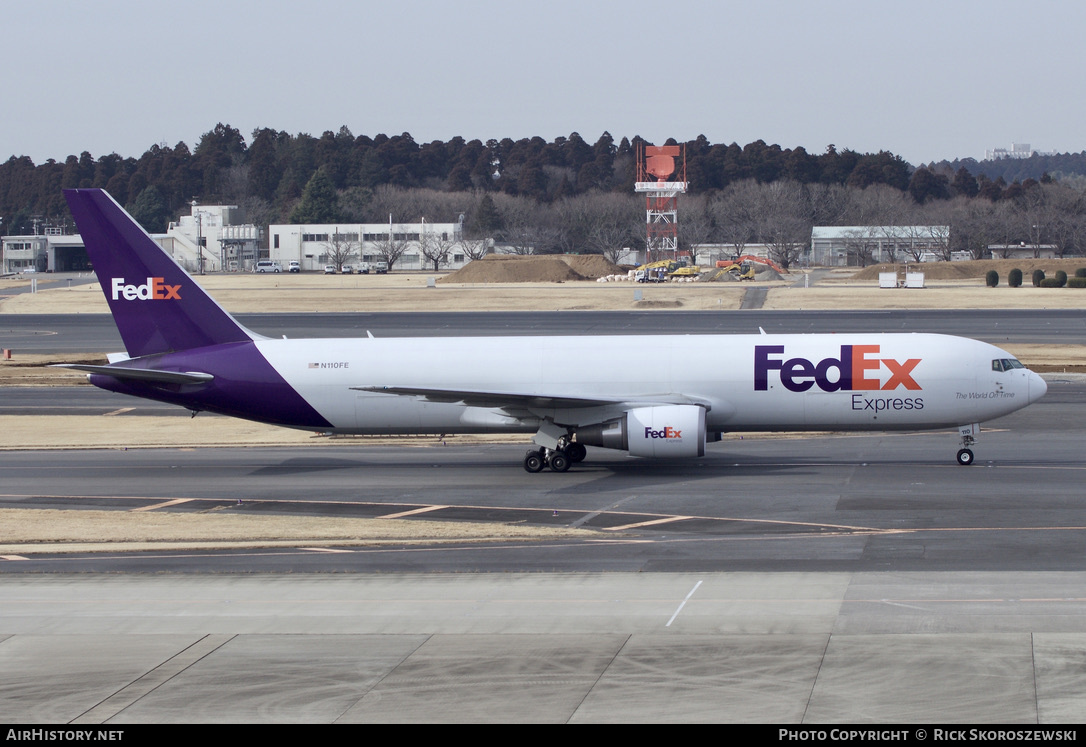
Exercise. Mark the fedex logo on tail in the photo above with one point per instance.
(155, 289)
(858, 369)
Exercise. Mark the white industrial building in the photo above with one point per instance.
(1022, 251)
(52, 250)
(314, 246)
(212, 239)
(850, 246)
(207, 240)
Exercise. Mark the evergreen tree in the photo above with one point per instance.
(487, 218)
(964, 183)
(149, 210)
(925, 186)
(318, 203)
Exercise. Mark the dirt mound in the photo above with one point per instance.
(978, 268)
(501, 268)
(762, 274)
(592, 266)
(547, 268)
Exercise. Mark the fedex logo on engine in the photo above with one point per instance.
(666, 432)
(858, 369)
(155, 289)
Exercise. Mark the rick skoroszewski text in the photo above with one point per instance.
(927, 734)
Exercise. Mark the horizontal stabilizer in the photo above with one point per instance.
(141, 374)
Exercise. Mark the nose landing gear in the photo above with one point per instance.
(968, 435)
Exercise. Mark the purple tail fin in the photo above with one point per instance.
(157, 306)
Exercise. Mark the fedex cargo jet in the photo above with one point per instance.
(651, 396)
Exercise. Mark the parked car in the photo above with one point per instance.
(380, 267)
(363, 268)
(329, 269)
(268, 265)
(348, 270)
(294, 266)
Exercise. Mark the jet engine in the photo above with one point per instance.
(656, 431)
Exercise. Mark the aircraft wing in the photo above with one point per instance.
(141, 374)
(517, 400)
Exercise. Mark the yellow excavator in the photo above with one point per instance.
(657, 272)
(664, 269)
(742, 271)
(686, 271)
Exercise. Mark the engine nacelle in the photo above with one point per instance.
(657, 431)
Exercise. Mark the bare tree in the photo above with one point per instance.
(915, 239)
(786, 223)
(935, 215)
(528, 229)
(476, 248)
(340, 249)
(1068, 226)
(883, 209)
(571, 221)
(615, 222)
(971, 226)
(862, 242)
(1034, 214)
(696, 225)
(735, 214)
(393, 247)
(436, 248)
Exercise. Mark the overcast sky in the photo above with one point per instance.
(924, 79)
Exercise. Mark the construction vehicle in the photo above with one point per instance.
(686, 271)
(751, 259)
(742, 271)
(659, 271)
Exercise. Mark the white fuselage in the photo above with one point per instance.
(746, 382)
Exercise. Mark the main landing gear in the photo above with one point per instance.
(558, 459)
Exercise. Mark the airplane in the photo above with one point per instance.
(653, 396)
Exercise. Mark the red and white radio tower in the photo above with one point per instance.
(661, 197)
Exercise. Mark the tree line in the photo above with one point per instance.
(274, 168)
(564, 195)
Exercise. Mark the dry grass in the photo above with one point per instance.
(49, 530)
(841, 289)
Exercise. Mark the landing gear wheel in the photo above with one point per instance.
(965, 457)
(576, 452)
(559, 462)
(533, 461)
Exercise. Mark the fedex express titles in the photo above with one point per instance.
(856, 370)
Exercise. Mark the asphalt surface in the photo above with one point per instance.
(59, 333)
(843, 502)
(823, 580)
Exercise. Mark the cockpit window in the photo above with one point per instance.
(1006, 364)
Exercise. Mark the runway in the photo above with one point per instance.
(825, 579)
(60, 333)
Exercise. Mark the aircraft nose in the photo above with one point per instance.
(1037, 387)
